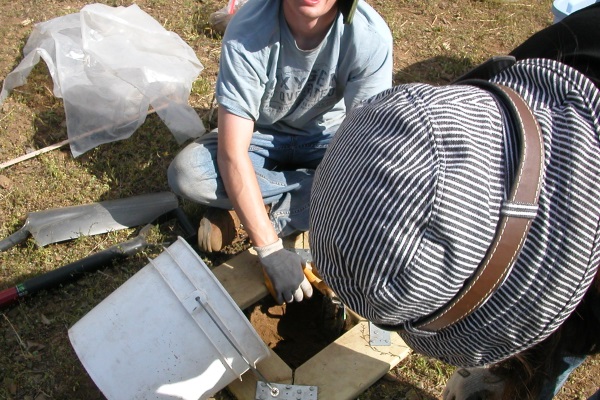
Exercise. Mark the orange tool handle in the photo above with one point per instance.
(310, 276)
(318, 283)
(269, 285)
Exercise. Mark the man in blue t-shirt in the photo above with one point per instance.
(289, 72)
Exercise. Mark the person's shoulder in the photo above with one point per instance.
(367, 22)
(256, 20)
(368, 36)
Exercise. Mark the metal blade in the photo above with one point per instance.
(59, 224)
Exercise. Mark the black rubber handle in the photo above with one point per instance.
(75, 269)
(88, 264)
(14, 239)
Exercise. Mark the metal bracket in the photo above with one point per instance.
(378, 336)
(285, 392)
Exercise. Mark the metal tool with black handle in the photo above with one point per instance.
(91, 263)
(65, 223)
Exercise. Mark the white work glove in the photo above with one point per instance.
(284, 270)
(473, 384)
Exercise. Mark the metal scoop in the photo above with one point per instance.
(59, 224)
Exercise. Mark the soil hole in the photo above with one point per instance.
(298, 331)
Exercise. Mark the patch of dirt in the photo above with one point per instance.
(296, 331)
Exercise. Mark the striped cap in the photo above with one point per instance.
(406, 202)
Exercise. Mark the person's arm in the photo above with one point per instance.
(282, 267)
(239, 177)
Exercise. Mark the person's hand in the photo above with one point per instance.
(284, 269)
(473, 384)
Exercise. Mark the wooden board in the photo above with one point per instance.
(343, 370)
(348, 366)
(296, 242)
(242, 278)
(274, 369)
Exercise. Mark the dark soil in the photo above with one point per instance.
(295, 331)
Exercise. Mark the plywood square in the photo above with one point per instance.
(343, 370)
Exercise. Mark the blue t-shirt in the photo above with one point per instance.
(264, 76)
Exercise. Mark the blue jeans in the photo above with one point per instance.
(567, 365)
(284, 166)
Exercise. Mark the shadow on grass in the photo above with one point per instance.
(440, 70)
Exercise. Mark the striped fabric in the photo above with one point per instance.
(407, 199)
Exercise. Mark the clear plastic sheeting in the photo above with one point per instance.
(110, 65)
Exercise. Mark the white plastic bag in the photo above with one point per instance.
(220, 18)
(109, 65)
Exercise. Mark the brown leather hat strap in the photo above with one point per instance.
(513, 226)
